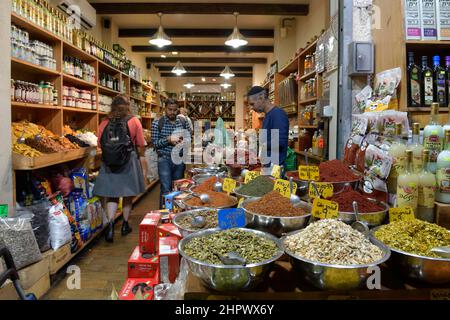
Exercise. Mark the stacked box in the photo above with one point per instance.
(443, 19)
(148, 233)
(142, 265)
(413, 20)
(169, 259)
(131, 287)
(429, 20)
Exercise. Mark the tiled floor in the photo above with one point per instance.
(104, 264)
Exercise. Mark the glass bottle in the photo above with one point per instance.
(416, 148)
(320, 144)
(440, 93)
(414, 78)
(41, 92)
(443, 173)
(397, 152)
(314, 143)
(427, 83)
(447, 126)
(433, 137)
(427, 191)
(408, 185)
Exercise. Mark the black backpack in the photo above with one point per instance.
(116, 143)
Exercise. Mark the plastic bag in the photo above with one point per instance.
(175, 291)
(60, 232)
(17, 235)
(38, 213)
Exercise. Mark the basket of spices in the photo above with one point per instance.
(331, 255)
(218, 200)
(275, 214)
(184, 221)
(257, 188)
(205, 251)
(411, 243)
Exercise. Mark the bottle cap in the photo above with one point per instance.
(416, 128)
(435, 108)
(398, 129)
(409, 155)
(425, 156)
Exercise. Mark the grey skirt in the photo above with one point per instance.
(126, 182)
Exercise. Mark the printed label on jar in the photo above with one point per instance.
(434, 144)
(426, 196)
(443, 178)
(407, 196)
(398, 167)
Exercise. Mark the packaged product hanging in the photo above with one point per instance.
(385, 91)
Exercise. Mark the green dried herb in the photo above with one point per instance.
(210, 218)
(253, 248)
(258, 187)
(416, 237)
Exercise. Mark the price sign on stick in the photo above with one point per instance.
(249, 176)
(309, 173)
(401, 214)
(325, 190)
(276, 171)
(231, 218)
(241, 201)
(229, 185)
(324, 209)
(282, 186)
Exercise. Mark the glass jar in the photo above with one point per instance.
(304, 140)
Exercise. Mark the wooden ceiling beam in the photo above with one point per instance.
(196, 33)
(271, 9)
(193, 48)
(207, 60)
(203, 75)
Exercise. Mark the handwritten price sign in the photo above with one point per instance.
(276, 171)
(309, 173)
(282, 186)
(249, 176)
(229, 185)
(325, 190)
(324, 209)
(401, 214)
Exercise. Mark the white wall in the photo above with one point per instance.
(259, 74)
(285, 45)
(313, 23)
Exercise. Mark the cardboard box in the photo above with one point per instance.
(169, 200)
(169, 264)
(168, 230)
(142, 265)
(443, 19)
(429, 19)
(413, 20)
(131, 287)
(148, 233)
(41, 287)
(33, 273)
(57, 259)
(8, 292)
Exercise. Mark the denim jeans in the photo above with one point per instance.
(168, 172)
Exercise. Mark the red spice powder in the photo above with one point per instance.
(336, 171)
(207, 185)
(346, 198)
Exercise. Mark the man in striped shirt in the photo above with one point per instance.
(168, 132)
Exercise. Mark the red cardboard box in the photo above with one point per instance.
(132, 285)
(148, 233)
(169, 260)
(168, 230)
(142, 265)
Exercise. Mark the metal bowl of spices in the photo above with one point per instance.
(426, 269)
(226, 201)
(334, 276)
(373, 219)
(200, 178)
(209, 170)
(184, 220)
(200, 249)
(256, 188)
(276, 225)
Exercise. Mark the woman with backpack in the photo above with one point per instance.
(121, 175)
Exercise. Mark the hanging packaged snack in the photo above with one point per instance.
(389, 119)
(362, 98)
(385, 92)
(81, 181)
(359, 128)
(360, 160)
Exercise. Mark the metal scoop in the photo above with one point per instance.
(232, 259)
(359, 225)
(21, 140)
(294, 198)
(38, 137)
(218, 185)
(198, 222)
(444, 252)
(204, 198)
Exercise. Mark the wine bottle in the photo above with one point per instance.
(440, 93)
(427, 83)
(414, 79)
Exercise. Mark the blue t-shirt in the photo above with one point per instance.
(277, 119)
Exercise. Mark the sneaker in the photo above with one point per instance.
(126, 229)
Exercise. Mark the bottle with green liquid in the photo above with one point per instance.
(433, 137)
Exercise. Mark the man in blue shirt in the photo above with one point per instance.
(275, 119)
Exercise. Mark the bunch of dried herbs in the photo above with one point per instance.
(253, 248)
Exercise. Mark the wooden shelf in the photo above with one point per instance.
(71, 50)
(308, 49)
(140, 100)
(79, 110)
(102, 113)
(36, 32)
(309, 155)
(308, 76)
(78, 82)
(428, 42)
(292, 67)
(21, 162)
(104, 67)
(107, 91)
(308, 126)
(426, 109)
(32, 105)
(26, 67)
(308, 101)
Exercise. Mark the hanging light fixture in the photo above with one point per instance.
(227, 73)
(160, 38)
(225, 85)
(178, 69)
(236, 39)
(189, 85)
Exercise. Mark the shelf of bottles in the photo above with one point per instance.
(212, 105)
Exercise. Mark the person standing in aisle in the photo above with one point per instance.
(275, 119)
(168, 132)
(184, 115)
(123, 166)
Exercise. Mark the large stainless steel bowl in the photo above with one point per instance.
(190, 207)
(230, 278)
(200, 178)
(335, 277)
(425, 269)
(277, 226)
(213, 169)
(187, 231)
(373, 219)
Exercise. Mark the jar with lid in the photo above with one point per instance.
(305, 140)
